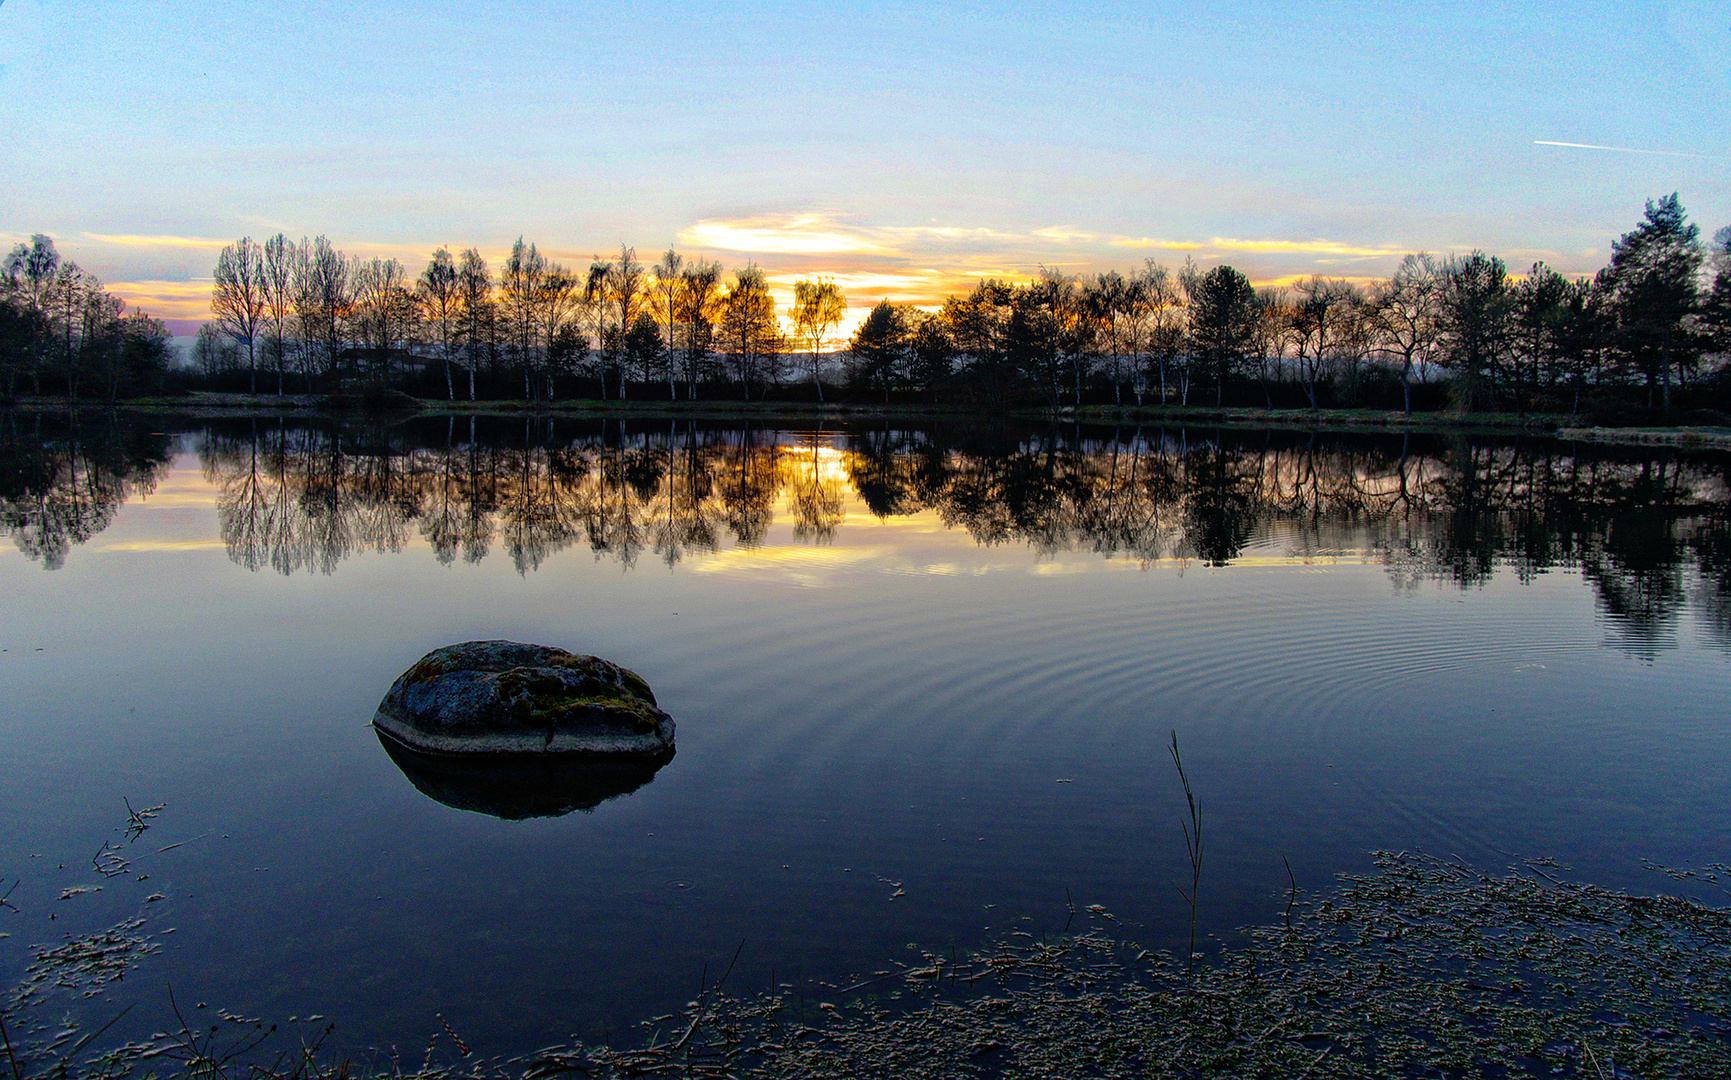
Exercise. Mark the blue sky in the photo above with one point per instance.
(904, 148)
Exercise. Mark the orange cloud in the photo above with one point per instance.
(165, 299)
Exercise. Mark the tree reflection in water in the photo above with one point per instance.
(64, 476)
(1649, 529)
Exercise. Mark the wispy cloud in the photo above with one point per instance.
(809, 234)
(1297, 247)
(1629, 150)
(127, 240)
(1059, 235)
(1155, 243)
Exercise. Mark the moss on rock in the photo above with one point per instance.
(510, 697)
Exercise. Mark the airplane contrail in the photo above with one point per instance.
(1626, 149)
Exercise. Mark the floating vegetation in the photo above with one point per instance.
(139, 820)
(84, 966)
(1426, 967)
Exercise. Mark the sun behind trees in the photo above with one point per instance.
(1651, 329)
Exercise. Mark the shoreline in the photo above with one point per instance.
(1546, 425)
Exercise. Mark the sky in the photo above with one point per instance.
(905, 149)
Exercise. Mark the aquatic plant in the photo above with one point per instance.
(1425, 967)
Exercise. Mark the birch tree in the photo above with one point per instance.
(818, 306)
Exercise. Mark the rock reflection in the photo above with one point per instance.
(519, 786)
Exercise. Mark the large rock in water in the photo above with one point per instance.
(505, 698)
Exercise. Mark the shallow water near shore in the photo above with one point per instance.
(924, 682)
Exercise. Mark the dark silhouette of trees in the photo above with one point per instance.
(58, 321)
(1460, 329)
(24, 326)
(1267, 338)
(557, 299)
(1716, 307)
(1476, 308)
(624, 288)
(978, 324)
(384, 315)
(1651, 287)
(1223, 314)
(879, 350)
(521, 281)
(644, 349)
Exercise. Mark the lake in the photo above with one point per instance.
(925, 680)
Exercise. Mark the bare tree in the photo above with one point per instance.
(1319, 315)
(1267, 340)
(475, 312)
(277, 278)
(558, 295)
(818, 306)
(669, 281)
(1404, 312)
(595, 298)
(700, 304)
(625, 289)
(751, 329)
(520, 282)
(1165, 321)
(441, 303)
(384, 312)
(238, 299)
(324, 304)
(212, 352)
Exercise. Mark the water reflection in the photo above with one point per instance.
(515, 787)
(63, 477)
(1648, 528)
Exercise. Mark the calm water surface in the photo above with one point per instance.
(924, 681)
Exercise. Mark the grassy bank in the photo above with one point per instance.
(207, 403)
(801, 413)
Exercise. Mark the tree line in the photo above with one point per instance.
(1653, 325)
(308, 314)
(59, 327)
(1461, 331)
(1649, 330)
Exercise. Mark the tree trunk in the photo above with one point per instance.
(1665, 366)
